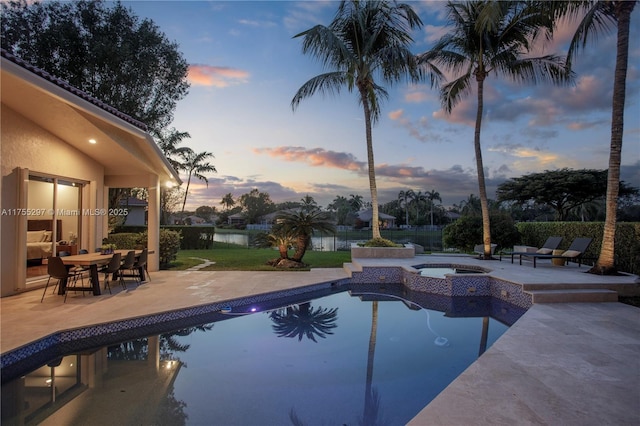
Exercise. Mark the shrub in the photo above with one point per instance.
(123, 240)
(380, 242)
(466, 232)
(169, 246)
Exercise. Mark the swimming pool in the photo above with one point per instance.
(371, 353)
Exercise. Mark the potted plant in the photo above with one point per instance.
(108, 248)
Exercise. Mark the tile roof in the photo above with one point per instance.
(73, 90)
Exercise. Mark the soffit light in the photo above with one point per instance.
(93, 141)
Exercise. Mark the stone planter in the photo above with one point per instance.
(408, 251)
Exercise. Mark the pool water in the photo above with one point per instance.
(346, 358)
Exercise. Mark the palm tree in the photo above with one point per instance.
(493, 37)
(168, 141)
(303, 321)
(418, 198)
(195, 165)
(304, 224)
(403, 196)
(308, 203)
(367, 41)
(355, 202)
(598, 16)
(228, 201)
(281, 236)
(432, 196)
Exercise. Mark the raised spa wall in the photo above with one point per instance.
(452, 285)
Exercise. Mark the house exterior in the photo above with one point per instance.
(60, 152)
(136, 210)
(386, 221)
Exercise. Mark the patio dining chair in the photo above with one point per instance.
(111, 268)
(127, 265)
(139, 268)
(56, 270)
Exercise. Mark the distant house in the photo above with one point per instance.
(452, 216)
(236, 219)
(137, 211)
(386, 221)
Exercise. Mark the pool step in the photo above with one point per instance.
(567, 296)
(350, 268)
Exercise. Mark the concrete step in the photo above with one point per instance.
(568, 296)
(350, 268)
(568, 286)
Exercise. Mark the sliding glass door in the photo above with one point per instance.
(54, 225)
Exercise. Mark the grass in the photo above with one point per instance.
(231, 257)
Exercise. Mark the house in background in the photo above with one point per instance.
(365, 216)
(136, 211)
(61, 150)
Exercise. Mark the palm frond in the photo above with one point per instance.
(331, 83)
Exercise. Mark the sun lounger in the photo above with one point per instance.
(575, 252)
(548, 247)
(479, 249)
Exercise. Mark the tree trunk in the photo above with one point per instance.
(606, 260)
(484, 202)
(186, 192)
(375, 225)
(368, 395)
(301, 247)
(284, 251)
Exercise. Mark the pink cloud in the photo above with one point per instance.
(208, 75)
(316, 157)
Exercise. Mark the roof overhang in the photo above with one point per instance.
(121, 147)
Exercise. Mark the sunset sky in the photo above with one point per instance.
(245, 67)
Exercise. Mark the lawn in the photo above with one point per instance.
(231, 257)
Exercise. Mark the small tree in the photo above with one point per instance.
(303, 225)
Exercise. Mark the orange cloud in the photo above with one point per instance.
(207, 75)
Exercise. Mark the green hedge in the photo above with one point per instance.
(627, 245)
(127, 240)
(466, 232)
(193, 237)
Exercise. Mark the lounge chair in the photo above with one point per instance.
(548, 247)
(479, 249)
(575, 252)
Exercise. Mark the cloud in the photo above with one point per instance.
(212, 76)
(257, 24)
(316, 157)
(305, 14)
(417, 129)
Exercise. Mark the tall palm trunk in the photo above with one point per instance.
(484, 202)
(375, 225)
(186, 192)
(606, 260)
(368, 396)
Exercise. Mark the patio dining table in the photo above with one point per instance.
(93, 260)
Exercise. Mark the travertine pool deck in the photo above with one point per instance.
(561, 363)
